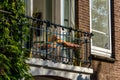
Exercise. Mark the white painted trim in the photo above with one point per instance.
(97, 50)
(101, 52)
(31, 7)
(101, 49)
(110, 29)
(90, 6)
(63, 67)
(99, 32)
(62, 11)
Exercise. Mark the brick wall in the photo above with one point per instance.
(103, 70)
(82, 15)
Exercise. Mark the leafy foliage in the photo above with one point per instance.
(13, 29)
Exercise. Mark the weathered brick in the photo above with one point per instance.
(102, 70)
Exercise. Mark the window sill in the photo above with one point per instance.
(103, 58)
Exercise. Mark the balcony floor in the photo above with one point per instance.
(47, 67)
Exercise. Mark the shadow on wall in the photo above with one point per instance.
(80, 77)
(97, 69)
(49, 77)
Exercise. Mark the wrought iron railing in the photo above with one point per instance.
(57, 43)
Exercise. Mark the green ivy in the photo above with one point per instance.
(13, 27)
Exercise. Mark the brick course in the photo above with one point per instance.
(102, 70)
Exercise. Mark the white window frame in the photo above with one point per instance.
(97, 50)
(29, 7)
(71, 13)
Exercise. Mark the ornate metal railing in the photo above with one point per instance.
(57, 43)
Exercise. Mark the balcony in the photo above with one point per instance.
(57, 43)
(56, 50)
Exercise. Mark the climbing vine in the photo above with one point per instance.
(13, 32)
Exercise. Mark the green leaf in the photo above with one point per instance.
(12, 57)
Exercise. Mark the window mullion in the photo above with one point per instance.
(99, 32)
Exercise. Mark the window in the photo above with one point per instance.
(56, 11)
(68, 20)
(68, 12)
(100, 22)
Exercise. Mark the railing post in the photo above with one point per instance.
(47, 25)
(90, 56)
(85, 46)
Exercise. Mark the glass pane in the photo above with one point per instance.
(101, 40)
(100, 15)
(49, 10)
(66, 12)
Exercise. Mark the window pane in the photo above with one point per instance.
(49, 10)
(101, 40)
(100, 23)
(66, 12)
(100, 15)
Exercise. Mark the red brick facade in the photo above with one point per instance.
(103, 70)
(82, 14)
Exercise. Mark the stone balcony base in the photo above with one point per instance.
(46, 67)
